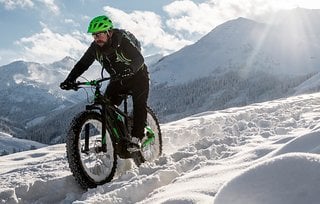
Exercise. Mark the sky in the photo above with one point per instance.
(262, 153)
(47, 31)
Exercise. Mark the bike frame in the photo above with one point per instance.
(110, 114)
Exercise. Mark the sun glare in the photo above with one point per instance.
(309, 4)
(292, 34)
(290, 4)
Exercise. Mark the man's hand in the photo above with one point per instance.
(67, 85)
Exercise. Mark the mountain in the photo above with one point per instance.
(152, 59)
(9, 144)
(31, 90)
(238, 63)
(246, 46)
(262, 153)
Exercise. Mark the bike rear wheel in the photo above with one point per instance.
(90, 164)
(151, 145)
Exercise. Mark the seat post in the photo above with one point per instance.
(125, 109)
(125, 104)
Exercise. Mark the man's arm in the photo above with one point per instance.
(82, 65)
(130, 55)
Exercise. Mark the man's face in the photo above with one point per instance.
(100, 38)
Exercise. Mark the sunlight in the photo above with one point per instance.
(285, 4)
(310, 4)
(292, 33)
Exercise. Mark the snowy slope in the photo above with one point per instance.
(262, 153)
(238, 63)
(285, 46)
(9, 144)
(310, 85)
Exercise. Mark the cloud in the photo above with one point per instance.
(200, 18)
(148, 28)
(51, 5)
(48, 46)
(191, 17)
(72, 22)
(8, 55)
(14, 4)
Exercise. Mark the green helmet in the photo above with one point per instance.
(99, 24)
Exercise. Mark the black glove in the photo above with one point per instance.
(67, 85)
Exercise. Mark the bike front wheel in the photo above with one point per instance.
(90, 162)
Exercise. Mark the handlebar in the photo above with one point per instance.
(97, 82)
(91, 83)
(76, 85)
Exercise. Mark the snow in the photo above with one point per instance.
(309, 85)
(261, 153)
(11, 144)
(292, 178)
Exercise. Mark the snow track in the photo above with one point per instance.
(201, 154)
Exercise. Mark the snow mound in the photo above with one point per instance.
(291, 178)
(305, 143)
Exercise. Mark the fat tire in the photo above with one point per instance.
(73, 153)
(138, 157)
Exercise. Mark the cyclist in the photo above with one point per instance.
(117, 52)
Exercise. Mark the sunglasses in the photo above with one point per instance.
(98, 34)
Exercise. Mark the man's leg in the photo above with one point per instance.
(140, 97)
(112, 92)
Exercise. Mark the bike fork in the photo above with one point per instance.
(86, 137)
(104, 129)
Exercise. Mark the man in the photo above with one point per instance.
(119, 54)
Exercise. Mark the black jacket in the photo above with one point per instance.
(117, 55)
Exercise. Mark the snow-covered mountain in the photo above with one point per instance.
(29, 90)
(9, 144)
(263, 153)
(286, 47)
(238, 63)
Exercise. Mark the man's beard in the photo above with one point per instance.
(100, 43)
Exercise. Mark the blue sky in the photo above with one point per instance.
(48, 30)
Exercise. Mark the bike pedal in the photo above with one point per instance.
(132, 147)
(133, 150)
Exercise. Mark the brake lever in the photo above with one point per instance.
(75, 86)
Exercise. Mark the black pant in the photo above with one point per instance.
(138, 85)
